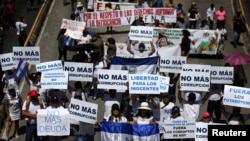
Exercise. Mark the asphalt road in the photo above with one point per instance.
(48, 44)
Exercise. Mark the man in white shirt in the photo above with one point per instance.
(20, 30)
(141, 53)
(210, 15)
(191, 109)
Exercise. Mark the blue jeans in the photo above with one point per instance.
(31, 132)
(236, 37)
(84, 138)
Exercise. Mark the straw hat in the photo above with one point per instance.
(144, 105)
(79, 4)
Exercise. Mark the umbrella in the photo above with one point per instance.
(83, 47)
(237, 59)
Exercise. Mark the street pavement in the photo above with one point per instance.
(48, 43)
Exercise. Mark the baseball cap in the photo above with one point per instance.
(33, 93)
(175, 109)
(205, 115)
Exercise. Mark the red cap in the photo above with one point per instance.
(205, 115)
(33, 93)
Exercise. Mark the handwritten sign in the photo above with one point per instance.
(53, 122)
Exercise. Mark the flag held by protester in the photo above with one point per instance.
(21, 69)
(111, 131)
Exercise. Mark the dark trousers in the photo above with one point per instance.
(31, 132)
(214, 107)
(62, 52)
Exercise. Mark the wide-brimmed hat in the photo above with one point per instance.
(144, 105)
(79, 4)
(162, 33)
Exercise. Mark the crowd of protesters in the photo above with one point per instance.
(120, 106)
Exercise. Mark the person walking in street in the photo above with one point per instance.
(220, 16)
(238, 28)
(21, 31)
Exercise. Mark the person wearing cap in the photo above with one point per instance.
(141, 52)
(165, 107)
(29, 111)
(206, 118)
(175, 113)
(79, 12)
(12, 104)
(162, 40)
(144, 115)
(116, 115)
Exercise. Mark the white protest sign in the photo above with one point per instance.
(53, 122)
(73, 25)
(236, 96)
(28, 54)
(141, 33)
(49, 66)
(179, 129)
(164, 84)
(172, 64)
(79, 71)
(54, 80)
(195, 77)
(100, 5)
(127, 17)
(144, 84)
(222, 75)
(7, 62)
(115, 79)
(173, 50)
(83, 111)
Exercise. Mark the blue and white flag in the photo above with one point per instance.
(135, 65)
(111, 131)
(21, 69)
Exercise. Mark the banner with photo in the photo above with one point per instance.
(127, 17)
(100, 5)
(202, 41)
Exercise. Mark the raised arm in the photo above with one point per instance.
(152, 48)
(129, 47)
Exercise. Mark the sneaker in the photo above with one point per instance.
(16, 136)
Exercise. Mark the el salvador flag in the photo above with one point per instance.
(21, 69)
(112, 131)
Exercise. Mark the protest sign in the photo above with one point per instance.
(83, 111)
(236, 96)
(172, 64)
(79, 71)
(74, 28)
(50, 66)
(173, 50)
(179, 129)
(116, 79)
(126, 17)
(54, 80)
(100, 5)
(121, 50)
(141, 33)
(164, 84)
(202, 41)
(222, 75)
(28, 54)
(53, 122)
(7, 62)
(195, 77)
(144, 84)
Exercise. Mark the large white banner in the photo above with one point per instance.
(100, 5)
(28, 54)
(50, 66)
(195, 77)
(141, 33)
(222, 75)
(172, 64)
(202, 41)
(126, 17)
(115, 79)
(179, 129)
(79, 71)
(236, 96)
(173, 50)
(144, 84)
(7, 62)
(54, 80)
(83, 111)
(53, 122)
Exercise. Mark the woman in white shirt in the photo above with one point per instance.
(144, 115)
(116, 115)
